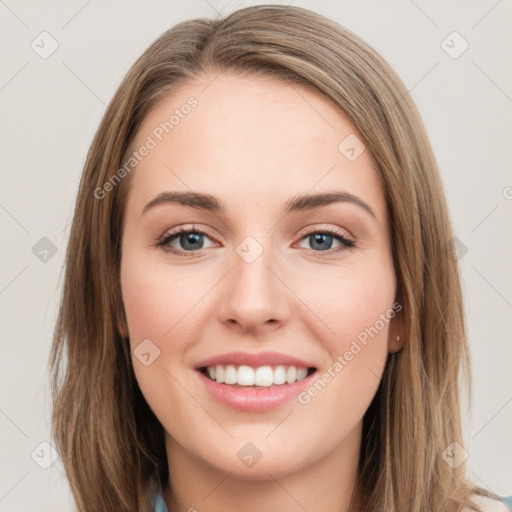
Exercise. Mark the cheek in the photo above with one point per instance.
(348, 305)
(163, 305)
(361, 308)
(159, 304)
(355, 314)
(158, 300)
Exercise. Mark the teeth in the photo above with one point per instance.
(219, 373)
(263, 376)
(280, 375)
(230, 375)
(291, 375)
(245, 376)
(302, 373)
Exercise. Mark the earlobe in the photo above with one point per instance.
(122, 329)
(396, 338)
(395, 343)
(120, 321)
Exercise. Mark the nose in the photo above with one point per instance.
(254, 297)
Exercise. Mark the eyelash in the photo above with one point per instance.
(163, 243)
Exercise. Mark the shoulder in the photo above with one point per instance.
(489, 505)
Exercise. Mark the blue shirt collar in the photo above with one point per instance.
(160, 505)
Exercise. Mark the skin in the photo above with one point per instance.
(254, 142)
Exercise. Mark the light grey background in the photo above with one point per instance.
(50, 109)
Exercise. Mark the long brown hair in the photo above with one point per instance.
(111, 443)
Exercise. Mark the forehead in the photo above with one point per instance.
(250, 138)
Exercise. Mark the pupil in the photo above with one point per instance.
(191, 238)
(319, 237)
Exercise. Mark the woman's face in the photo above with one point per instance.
(264, 272)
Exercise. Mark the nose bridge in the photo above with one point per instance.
(254, 295)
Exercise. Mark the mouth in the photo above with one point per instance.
(261, 377)
(254, 382)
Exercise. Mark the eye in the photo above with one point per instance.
(321, 240)
(191, 240)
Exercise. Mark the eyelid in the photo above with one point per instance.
(185, 228)
(327, 229)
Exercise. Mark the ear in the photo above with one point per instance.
(122, 329)
(122, 326)
(119, 319)
(396, 334)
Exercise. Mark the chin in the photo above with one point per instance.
(256, 458)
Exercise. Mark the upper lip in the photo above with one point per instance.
(254, 360)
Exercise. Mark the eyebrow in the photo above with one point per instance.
(296, 203)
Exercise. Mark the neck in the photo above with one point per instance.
(325, 486)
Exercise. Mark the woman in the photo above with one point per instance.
(258, 369)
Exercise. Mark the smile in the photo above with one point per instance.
(260, 377)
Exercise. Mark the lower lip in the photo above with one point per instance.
(252, 399)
